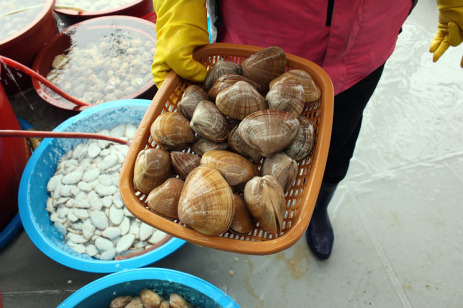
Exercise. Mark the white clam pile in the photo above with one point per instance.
(92, 5)
(85, 205)
(111, 65)
(15, 15)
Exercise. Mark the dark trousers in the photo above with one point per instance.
(347, 120)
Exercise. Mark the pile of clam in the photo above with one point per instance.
(103, 67)
(85, 204)
(148, 298)
(246, 133)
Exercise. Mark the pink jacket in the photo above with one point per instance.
(361, 37)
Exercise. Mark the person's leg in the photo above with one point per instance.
(347, 120)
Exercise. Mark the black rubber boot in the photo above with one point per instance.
(319, 234)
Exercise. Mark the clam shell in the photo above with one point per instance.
(266, 202)
(236, 169)
(163, 199)
(238, 145)
(206, 202)
(208, 122)
(150, 299)
(228, 80)
(218, 69)
(312, 92)
(311, 89)
(282, 167)
(171, 130)
(242, 222)
(177, 301)
(120, 301)
(304, 141)
(184, 162)
(268, 131)
(240, 100)
(191, 97)
(152, 168)
(164, 304)
(135, 303)
(202, 145)
(264, 66)
(287, 95)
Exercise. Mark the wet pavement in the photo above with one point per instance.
(398, 216)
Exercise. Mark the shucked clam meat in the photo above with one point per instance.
(104, 66)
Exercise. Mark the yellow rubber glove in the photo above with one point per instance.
(181, 26)
(449, 28)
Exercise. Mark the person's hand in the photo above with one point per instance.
(181, 26)
(449, 28)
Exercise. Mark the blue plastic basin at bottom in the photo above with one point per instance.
(100, 292)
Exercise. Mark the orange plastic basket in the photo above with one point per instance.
(300, 198)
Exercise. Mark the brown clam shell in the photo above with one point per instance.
(163, 199)
(238, 145)
(311, 89)
(242, 222)
(304, 141)
(120, 301)
(228, 80)
(135, 303)
(282, 167)
(266, 202)
(287, 95)
(171, 130)
(206, 203)
(312, 92)
(240, 100)
(152, 168)
(208, 122)
(164, 304)
(184, 162)
(191, 97)
(219, 69)
(264, 66)
(150, 299)
(268, 131)
(202, 145)
(236, 169)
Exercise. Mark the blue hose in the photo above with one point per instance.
(10, 231)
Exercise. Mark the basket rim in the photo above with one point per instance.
(310, 191)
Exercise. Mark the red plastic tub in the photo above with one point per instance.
(90, 33)
(14, 154)
(23, 45)
(136, 8)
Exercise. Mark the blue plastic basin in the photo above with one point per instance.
(42, 165)
(197, 291)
